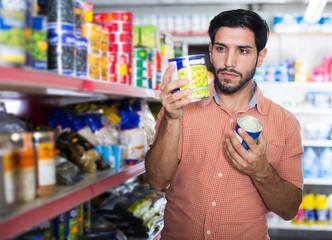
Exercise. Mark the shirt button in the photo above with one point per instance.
(208, 232)
(220, 175)
(231, 120)
(213, 203)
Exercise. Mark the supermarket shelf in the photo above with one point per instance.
(27, 215)
(38, 82)
(288, 226)
(317, 143)
(318, 181)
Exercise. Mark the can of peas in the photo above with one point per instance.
(251, 125)
(193, 68)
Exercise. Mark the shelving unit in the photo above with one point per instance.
(20, 82)
(65, 197)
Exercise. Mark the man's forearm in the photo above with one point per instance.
(162, 159)
(280, 196)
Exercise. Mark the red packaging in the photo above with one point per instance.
(118, 26)
(113, 16)
(120, 47)
(120, 37)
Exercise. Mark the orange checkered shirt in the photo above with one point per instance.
(208, 198)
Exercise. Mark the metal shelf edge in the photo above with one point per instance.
(47, 208)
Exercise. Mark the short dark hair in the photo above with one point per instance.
(241, 18)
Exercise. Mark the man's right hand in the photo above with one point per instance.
(174, 102)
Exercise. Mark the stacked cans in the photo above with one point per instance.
(140, 67)
(60, 36)
(92, 32)
(120, 38)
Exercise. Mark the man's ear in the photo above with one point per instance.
(210, 52)
(261, 57)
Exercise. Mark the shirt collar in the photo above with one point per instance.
(257, 99)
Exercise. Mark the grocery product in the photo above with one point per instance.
(119, 27)
(23, 158)
(45, 162)
(325, 160)
(78, 17)
(6, 175)
(309, 208)
(193, 68)
(322, 209)
(299, 218)
(140, 67)
(310, 162)
(39, 43)
(251, 125)
(12, 27)
(81, 64)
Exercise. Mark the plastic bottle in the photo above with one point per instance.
(322, 209)
(310, 163)
(326, 163)
(299, 218)
(309, 208)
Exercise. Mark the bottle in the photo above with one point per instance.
(299, 218)
(310, 163)
(309, 208)
(326, 163)
(322, 209)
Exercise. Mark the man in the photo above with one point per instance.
(217, 188)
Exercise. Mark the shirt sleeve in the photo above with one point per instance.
(290, 166)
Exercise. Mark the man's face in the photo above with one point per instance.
(234, 58)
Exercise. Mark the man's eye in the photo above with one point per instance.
(243, 51)
(220, 48)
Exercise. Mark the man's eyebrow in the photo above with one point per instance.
(240, 46)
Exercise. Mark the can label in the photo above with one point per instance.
(12, 24)
(251, 125)
(92, 32)
(113, 16)
(94, 60)
(194, 69)
(61, 48)
(118, 26)
(81, 57)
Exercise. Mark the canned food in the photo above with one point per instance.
(104, 67)
(92, 32)
(78, 17)
(193, 68)
(60, 15)
(251, 125)
(94, 60)
(87, 12)
(23, 158)
(81, 57)
(12, 27)
(45, 162)
(104, 40)
(39, 43)
(118, 26)
(118, 71)
(61, 46)
(6, 175)
(120, 37)
(113, 16)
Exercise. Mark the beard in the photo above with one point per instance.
(224, 87)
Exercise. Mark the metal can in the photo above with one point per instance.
(193, 68)
(113, 16)
(23, 158)
(39, 43)
(12, 27)
(251, 125)
(45, 162)
(61, 48)
(81, 57)
(6, 175)
(92, 32)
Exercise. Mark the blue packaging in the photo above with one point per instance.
(251, 125)
(310, 163)
(61, 48)
(81, 57)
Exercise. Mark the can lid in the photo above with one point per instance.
(249, 124)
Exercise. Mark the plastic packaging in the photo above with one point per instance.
(322, 209)
(326, 163)
(309, 208)
(310, 163)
